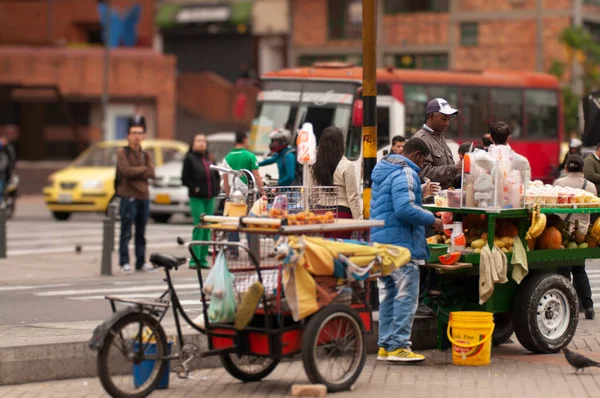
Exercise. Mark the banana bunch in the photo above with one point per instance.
(594, 231)
(538, 223)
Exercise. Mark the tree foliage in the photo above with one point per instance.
(583, 50)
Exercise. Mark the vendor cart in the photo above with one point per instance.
(330, 333)
(314, 299)
(543, 310)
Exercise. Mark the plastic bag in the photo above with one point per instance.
(219, 286)
(280, 207)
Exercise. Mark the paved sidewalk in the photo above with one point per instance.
(513, 371)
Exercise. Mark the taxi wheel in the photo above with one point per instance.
(61, 215)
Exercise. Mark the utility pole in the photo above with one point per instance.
(540, 35)
(105, 91)
(369, 131)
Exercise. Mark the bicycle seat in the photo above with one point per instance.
(166, 260)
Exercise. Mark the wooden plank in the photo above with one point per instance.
(452, 267)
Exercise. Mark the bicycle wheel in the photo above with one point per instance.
(334, 347)
(129, 363)
(248, 368)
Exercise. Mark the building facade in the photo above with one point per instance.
(52, 59)
(442, 34)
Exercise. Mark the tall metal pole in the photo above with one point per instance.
(105, 91)
(369, 131)
(540, 36)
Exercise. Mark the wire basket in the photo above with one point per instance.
(283, 201)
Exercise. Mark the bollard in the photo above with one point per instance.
(2, 231)
(108, 241)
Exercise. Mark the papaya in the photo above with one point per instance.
(450, 258)
(506, 229)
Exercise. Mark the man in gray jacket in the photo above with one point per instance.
(439, 165)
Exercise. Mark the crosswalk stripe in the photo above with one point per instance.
(110, 290)
(31, 287)
(135, 296)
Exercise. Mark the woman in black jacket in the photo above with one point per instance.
(203, 185)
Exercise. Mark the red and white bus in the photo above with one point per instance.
(329, 95)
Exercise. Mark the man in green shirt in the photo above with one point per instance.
(241, 158)
(238, 159)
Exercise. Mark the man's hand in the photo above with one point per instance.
(438, 225)
(430, 188)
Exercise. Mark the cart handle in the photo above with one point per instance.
(462, 345)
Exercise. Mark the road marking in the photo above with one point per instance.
(71, 248)
(108, 290)
(31, 287)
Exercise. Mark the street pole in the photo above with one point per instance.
(105, 91)
(540, 35)
(369, 131)
(2, 231)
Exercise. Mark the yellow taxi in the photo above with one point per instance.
(87, 185)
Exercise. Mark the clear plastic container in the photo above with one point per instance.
(453, 197)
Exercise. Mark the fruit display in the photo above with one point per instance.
(556, 196)
(308, 217)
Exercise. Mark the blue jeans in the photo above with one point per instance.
(2, 188)
(398, 300)
(133, 211)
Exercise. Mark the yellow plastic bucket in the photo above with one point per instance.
(470, 333)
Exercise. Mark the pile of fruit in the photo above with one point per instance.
(308, 217)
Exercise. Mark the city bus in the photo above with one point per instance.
(329, 94)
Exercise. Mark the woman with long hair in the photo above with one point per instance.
(332, 168)
(203, 186)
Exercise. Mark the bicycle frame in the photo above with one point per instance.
(160, 309)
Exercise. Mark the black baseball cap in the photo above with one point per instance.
(441, 105)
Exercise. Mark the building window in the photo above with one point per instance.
(593, 28)
(57, 114)
(469, 32)
(593, 2)
(420, 61)
(404, 6)
(345, 19)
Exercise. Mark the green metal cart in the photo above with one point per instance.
(543, 310)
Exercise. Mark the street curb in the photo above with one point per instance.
(37, 363)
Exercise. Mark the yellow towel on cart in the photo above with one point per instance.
(307, 256)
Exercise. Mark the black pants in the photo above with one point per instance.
(581, 282)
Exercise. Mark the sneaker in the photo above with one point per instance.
(126, 269)
(382, 354)
(423, 310)
(404, 355)
(147, 268)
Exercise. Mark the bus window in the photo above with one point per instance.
(383, 126)
(473, 115)
(541, 108)
(507, 107)
(415, 104)
(450, 94)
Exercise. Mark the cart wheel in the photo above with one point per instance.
(334, 348)
(248, 368)
(503, 328)
(545, 313)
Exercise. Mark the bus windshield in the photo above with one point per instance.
(291, 104)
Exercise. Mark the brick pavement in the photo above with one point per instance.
(513, 371)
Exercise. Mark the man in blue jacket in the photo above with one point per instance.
(285, 157)
(397, 199)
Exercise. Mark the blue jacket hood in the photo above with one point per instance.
(390, 164)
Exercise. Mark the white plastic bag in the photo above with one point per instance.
(219, 285)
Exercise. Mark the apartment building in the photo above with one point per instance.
(442, 34)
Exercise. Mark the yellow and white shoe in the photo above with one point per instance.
(382, 354)
(404, 355)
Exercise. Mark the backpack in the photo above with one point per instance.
(299, 168)
(118, 176)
